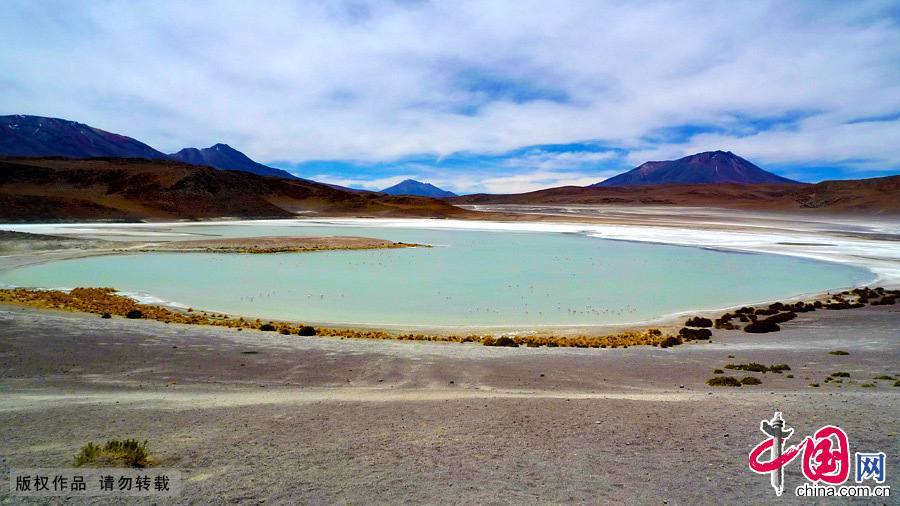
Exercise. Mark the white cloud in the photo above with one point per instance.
(360, 183)
(378, 80)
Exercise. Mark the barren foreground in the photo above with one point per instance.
(251, 416)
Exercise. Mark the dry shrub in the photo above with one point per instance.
(723, 381)
(115, 453)
(761, 327)
(698, 322)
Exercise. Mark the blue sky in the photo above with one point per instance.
(497, 96)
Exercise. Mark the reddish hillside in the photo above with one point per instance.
(877, 196)
(50, 189)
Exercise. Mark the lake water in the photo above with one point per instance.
(470, 278)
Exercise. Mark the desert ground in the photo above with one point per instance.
(253, 417)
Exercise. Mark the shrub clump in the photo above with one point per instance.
(757, 367)
(106, 316)
(718, 371)
(840, 374)
(750, 380)
(306, 330)
(838, 352)
(694, 334)
(782, 317)
(500, 341)
(723, 381)
(670, 341)
(762, 327)
(134, 314)
(115, 453)
(267, 327)
(699, 322)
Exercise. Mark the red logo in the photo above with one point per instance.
(826, 454)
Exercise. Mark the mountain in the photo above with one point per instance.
(702, 168)
(38, 136)
(22, 135)
(223, 156)
(875, 196)
(413, 187)
(131, 189)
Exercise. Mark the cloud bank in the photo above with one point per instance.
(354, 90)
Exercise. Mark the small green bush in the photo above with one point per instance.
(750, 380)
(267, 327)
(868, 385)
(838, 352)
(883, 377)
(134, 314)
(306, 330)
(106, 316)
(723, 381)
(718, 371)
(115, 453)
(840, 374)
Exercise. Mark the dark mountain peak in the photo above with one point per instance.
(224, 157)
(702, 168)
(418, 188)
(24, 135)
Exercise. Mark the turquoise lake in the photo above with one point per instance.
(470, 278)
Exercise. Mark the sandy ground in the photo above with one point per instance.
(316, 420)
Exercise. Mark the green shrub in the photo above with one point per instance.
(106, 316)
(897, 383)
(790, 376)
(750, 380)
(838, 352)
(718, 371)
(267, 327)
(814, 385)
(306, 330)
(883, 377)
(134, 314)
(840, 374)
(115, 453)
(868, 385)
(723, 381)
(757, 367)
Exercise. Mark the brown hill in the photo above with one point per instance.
(58, 189)
(877, 196)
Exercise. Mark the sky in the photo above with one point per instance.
(473, 96)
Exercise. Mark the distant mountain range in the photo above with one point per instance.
(130, 189)
(38, 136)
(413, 187)
(703, 168)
